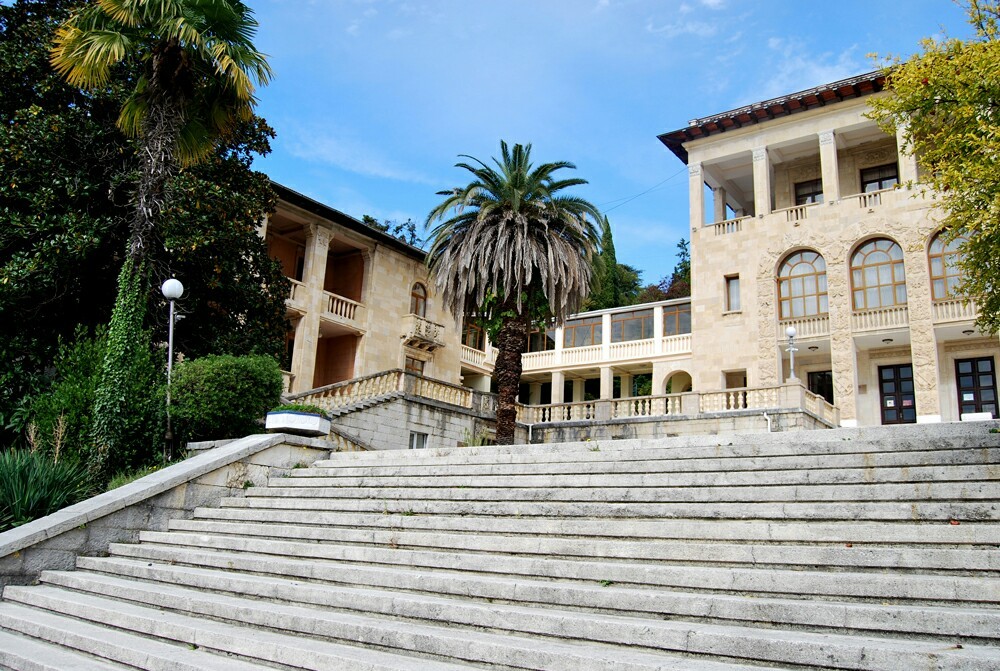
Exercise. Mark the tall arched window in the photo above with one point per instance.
(945, 273)
(802, 286)
(418, 300)
(877, 276)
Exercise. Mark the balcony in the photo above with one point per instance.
(593, 355)
(478, 358)
(817, 326)
(955, 310)
(298, 297)
(422, 334)
(895, 317)
(344, 312)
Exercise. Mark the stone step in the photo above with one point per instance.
(839, 533)
(873, 586)
(21, 653)
(449, 636)
(916, 510)
(71, 630)
(867, 439)
(47, 611)
(121, 602)
(618, 489)
(729, 554)
(363, 587)
(867, 467)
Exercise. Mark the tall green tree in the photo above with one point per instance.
(510, 247)
(615, 284)
(946, 99)
(197, 72)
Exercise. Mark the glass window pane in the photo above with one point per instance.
(985, 365)
(823, 305)
(685, 322)
(901, 294)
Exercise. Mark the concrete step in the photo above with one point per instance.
(836, 533)
(867, 439)
(728, 554)
(21, 653)
(366, 588)
(623, 492)
(120, 602)
(655, 461)
(873, 586)
(904, 510)
(449, 635)
(46, 611)
(446, 478)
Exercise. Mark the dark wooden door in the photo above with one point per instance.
(897, 401)
(977, 385)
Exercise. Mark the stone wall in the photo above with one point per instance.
(117, 516)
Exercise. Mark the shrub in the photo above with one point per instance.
(300, 407)
(33, 486)
(218, 397)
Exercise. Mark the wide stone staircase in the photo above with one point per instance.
(873, 549)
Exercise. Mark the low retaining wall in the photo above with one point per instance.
(88, 527)
(665, 426)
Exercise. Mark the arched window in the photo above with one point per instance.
(877, 276)
(945, 273)
(418, 300)
(802, 286)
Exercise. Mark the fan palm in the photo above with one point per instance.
(198, 73)
(514, 251)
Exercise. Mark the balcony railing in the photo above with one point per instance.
(676, 344)
(805, 327)
(955, 310)
(897, 316)
(730, 226)
(297, 295)
(421, 333)
(478, 358)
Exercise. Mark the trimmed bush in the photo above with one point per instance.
(33, 486)
(225, 396)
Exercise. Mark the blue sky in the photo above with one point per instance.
(373, 100)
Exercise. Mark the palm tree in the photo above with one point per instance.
(515, 252)
(197, 72)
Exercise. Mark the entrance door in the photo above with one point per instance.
(977, 385)
(896, 394)
(821, 382)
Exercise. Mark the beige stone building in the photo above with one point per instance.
(804, 216)
(360, 301)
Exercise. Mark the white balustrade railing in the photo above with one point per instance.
(955, 310)
(342, 307)
(896, 316)
(286, 381)
(819, 406)
(868, 200)
(577, 355)
(473, 356)
(349, 392)
(805, 327)
(676, 344)
(423, 332)
(536, 360)
(797, 213)
(558, 412)
(729, 226)
(297, 292)
(436, 390)
(752, 398)
(632, 349)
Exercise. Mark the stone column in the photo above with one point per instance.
(696, 194)
(923, 342)
(761, 181)
(558, 382)
(718, 204)
(534, 393)
(658, 329)
(607, 383)
(626, 385)
(828, 162)
(606, 336)
(907, 161)
(307, 334)
(559, 345)
(578, 390)
(843, 357)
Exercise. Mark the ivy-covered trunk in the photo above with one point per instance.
(511, 343)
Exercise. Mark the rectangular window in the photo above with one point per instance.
(414, 366)
(582, 332)
(809, 192)
(880, 177)
(733, 293)
(635, 325)
(473, 336)
(677, 319)
(541, 340)
(418, 441)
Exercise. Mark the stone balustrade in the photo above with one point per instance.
(422, 333)
(897, 316)
(955, 310)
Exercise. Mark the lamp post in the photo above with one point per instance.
(791, 332)
(172, 290)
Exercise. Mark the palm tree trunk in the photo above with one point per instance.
(511, 343)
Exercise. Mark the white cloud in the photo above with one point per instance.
(350, 154)
(792, 67)
(714, 4)
(696, 28)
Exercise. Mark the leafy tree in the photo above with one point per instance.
(615, 284)
(679, 285)
(65, 176)
(514, 250)
(198, 69)
(405, 231)
(947, 101)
